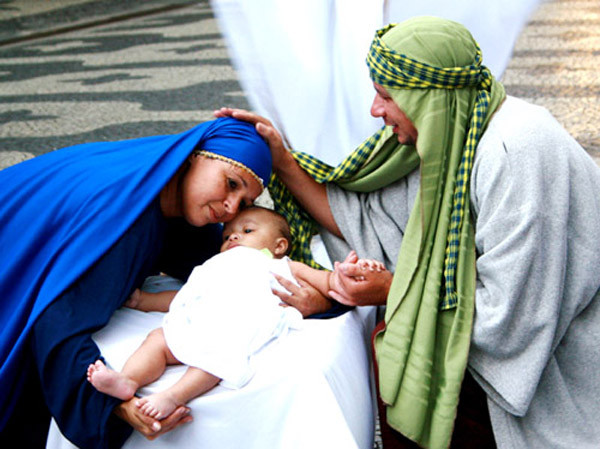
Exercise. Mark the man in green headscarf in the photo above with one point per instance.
(488, 214)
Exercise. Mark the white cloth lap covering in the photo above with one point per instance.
(310, 389)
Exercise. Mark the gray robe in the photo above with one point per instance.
(535, 202)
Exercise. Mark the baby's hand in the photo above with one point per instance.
(370, 265)
(135, 300)
(360, 282)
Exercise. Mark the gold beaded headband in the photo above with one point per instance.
(230, 161)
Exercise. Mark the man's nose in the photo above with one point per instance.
(377, 106)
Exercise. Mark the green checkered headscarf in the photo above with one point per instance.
(432, 69)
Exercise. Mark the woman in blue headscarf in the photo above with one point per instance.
(80, 229)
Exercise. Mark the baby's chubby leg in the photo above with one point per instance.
(110, 382)
(144, 366)
(192, 384)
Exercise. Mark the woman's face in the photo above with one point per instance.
(214, 191)
(384, 106)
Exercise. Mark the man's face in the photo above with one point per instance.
(384, 106)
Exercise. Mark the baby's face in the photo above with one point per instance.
(253, 228)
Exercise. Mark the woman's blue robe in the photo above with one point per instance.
(59, 214)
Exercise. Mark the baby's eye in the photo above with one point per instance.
(225, 237)
(232, 183)
(248, 230)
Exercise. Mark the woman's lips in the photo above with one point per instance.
(213, 215)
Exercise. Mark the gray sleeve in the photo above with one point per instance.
(528, 197)
(372, 223)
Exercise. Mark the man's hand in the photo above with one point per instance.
(361, 282)
(281, 156)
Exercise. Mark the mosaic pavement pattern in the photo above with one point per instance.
(154, 73)
(74, 71)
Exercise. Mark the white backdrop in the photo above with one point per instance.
(302, 63)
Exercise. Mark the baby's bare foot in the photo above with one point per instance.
(158, 405)
(110, 382)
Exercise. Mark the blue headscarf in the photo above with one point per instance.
(60, 212)
(238, 141)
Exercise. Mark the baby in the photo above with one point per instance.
(224, 314)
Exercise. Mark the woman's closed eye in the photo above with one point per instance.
(232, 183)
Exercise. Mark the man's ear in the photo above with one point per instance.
(281, 247)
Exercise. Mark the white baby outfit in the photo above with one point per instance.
(226, 312)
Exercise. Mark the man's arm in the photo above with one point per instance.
(309, 193)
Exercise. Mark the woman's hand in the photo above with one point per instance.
(305, 298)
(134, 300)
(361, 282)
(149, 427)
(281, 156)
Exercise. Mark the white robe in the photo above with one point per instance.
(236, 286)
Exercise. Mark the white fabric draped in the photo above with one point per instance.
(302, 63)
(311, 389)
(226, 312)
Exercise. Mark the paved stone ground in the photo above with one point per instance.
(129, 74)
(555, 64)
(74, 71)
